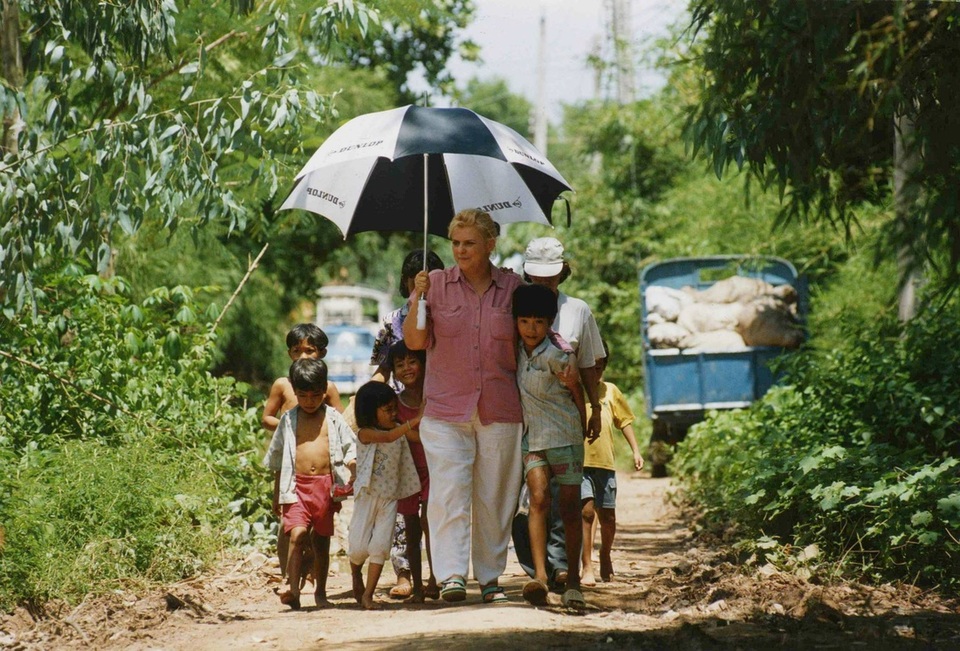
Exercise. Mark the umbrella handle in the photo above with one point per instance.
(422, 313)
(422, 302)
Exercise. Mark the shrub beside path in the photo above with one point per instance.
(672, 589)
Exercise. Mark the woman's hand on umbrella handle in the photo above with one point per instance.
(421, 283)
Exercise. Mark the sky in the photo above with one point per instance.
(507, 32)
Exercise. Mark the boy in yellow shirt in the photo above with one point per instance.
(598, 492)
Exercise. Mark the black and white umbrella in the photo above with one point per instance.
(414, 168)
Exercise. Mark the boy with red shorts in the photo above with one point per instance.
(313, 452)
(303, 340)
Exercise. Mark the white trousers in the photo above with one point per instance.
(475, 476)
(371, 528)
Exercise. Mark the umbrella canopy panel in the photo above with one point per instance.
(445, 131)
(368, 175)
(394, 198)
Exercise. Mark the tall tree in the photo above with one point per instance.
(123, 122)
(807, 95)
(417, 39)
(174, 114)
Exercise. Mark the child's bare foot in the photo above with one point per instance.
(417, 596)
(368, 603)
(432, 591)
(320, 598)
(588, 579)
(289, 598)
(358, 587)
(606, 568)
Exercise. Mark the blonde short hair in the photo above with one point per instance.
(472, 217)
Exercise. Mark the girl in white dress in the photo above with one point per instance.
(385, 473)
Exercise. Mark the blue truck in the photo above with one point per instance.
(682, 386)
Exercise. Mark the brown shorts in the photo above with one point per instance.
(314, 506)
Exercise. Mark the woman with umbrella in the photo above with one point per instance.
(391, 333)
(472, 423)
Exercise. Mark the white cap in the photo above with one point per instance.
(543, 257)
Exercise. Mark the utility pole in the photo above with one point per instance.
(596, 62)
(906, 198)
(620, 26)
(540, 118)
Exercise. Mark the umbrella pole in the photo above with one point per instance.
(422, 302)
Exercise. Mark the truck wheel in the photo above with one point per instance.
(660, 450)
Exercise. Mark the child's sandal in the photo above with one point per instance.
(494, 594)
(535, 592)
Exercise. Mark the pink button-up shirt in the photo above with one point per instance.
(471, 349)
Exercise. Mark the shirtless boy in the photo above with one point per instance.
(312, 451)
(305, 340)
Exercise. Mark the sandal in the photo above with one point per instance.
(494, 594)
(454, 589)
(404, 587)
(401, 591)
(535, 592)
(573, 599)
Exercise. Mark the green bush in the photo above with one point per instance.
(121, 457)
(859, 455)
(90, 517)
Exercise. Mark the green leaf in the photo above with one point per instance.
(950, 504)
(755, 497)
(132, 342)
(285, 58)
(186, 316)
(921, 518)
(810, 463)
(928, 538)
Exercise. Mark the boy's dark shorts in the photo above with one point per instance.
(314, 506)
(600, 485)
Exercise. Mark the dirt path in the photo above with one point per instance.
(670, 591)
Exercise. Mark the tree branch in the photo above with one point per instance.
(250, 270)
(176, 68)
(62, 380)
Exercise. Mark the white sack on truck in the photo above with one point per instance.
(707, 317)
(741, 289)
(665, 301)
(715, 342)
(653, 318)
(666, 334)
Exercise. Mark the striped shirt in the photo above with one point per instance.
(550, 416)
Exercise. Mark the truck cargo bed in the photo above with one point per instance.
(683, 384)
